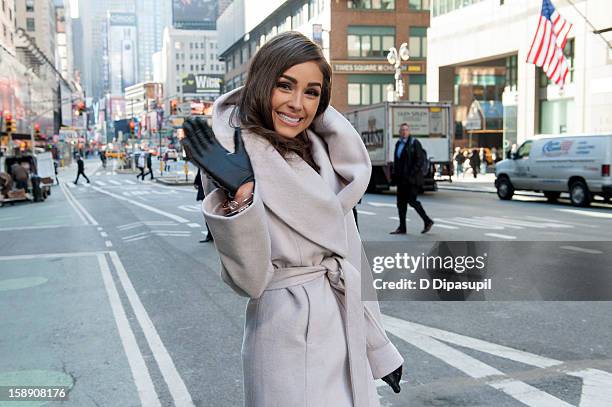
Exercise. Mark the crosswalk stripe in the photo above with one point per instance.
(467, 224)
(437, 225)
(581, 249)
(127, 181)
(193, 225)
(378, 204)
(102, 184)
(471, 366)
(584, 212)
(70, 185)
(108, 173)
(114, 182)
(359, 211)
(498, 235)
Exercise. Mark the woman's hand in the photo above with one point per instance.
(229, 170)
(393, 379)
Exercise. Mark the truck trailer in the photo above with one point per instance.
(378, 125)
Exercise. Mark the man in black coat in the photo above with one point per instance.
(408, 177)
(149, 159)
(80, 169)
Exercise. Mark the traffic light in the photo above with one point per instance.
(80, 107)
(9, 122)
(132, 126)
(37, 130)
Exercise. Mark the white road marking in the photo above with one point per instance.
(112, 181)
(108, 243)
(584, 212)
(33, 227)
(473, 222)
(539, 225)
(127, 181)
(50, 255)
(100, 228)
(172, 234)
(437, 225)
(397, 218)
(108, 173)
(68, 198)
(471, 366)
(102, 184)
(83, 214)
(142, 378)
(87, 185)
(70, 184)
(581, 249)
(500, 236)
(136, 238)
(596, 386)
(474, 225)
(562, 223)
(190, 208)
(380, 204)
(175, 383)
(144, 206)
(103, 234)
(137, 234)
(181, 232)
(359, 211)
(193, 225)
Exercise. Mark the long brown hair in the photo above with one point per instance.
(254, 100)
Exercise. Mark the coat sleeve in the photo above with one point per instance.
(243, 244)
(383, 356)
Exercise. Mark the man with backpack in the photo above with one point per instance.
(409, 167)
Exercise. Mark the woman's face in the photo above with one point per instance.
(295, 98)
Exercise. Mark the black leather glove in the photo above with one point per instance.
(393, 379)
(228, 170)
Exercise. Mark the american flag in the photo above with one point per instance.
(547, 47)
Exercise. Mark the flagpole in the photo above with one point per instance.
(595, 30)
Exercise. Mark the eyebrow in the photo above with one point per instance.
(294, 81)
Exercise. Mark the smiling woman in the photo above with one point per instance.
(287, 239)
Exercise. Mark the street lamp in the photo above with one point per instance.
(395, 58)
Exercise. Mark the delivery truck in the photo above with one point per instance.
(552, 164)
(378, 125)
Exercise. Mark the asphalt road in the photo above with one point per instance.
(105, 289)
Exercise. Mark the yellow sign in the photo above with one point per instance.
(415, 68)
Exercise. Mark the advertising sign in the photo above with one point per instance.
(416, 117)
(194, 14)
(122, 49)
(201, 83)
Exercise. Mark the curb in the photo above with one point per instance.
(173, 182)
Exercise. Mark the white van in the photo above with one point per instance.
(578, 164)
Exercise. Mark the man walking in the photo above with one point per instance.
(149, 166)
(140, 163)
(408, 177)
(80, 169)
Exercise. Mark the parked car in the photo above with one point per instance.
(578, 164)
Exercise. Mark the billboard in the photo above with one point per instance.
(122, 51)
(194, 14)
(201, 84)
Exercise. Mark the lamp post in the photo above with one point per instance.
(395, 58)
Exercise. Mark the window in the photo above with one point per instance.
(30, 24)
(419, 4)
(369, 41)
(372, 4)
(418, 42)
(29, 6)
(368, 89)
(511, 71)
(417, 88)
(524, 150)
(177, 67)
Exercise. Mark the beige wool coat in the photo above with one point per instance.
(309, 339)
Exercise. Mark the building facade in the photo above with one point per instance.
(356, 45)
(191, 69)
(479, 64)
(8, 21)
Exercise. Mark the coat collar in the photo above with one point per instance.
(313, 204)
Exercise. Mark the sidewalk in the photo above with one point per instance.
(483, 183)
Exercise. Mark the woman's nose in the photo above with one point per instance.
(296, 101)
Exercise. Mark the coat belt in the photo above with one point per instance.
(345, 279)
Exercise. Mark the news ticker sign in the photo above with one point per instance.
(360, 67)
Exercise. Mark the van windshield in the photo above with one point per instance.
(523, 151)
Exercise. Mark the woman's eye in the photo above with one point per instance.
(313, 92)
(283, 85)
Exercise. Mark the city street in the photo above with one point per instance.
(106, 289)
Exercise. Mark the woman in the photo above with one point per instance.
(286, 236)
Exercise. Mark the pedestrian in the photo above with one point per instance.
(80, 170)
(20, 175)
(103, 158)
(140, 163)
(408, 176)
(149, 163)
(165, 160)
(494, 154)
(482, 155)
(458, 160)
(286, 236)
(198, 183)
(474, 162)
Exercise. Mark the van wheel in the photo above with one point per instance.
(505, 190)
(552, 196)
(580, 194)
